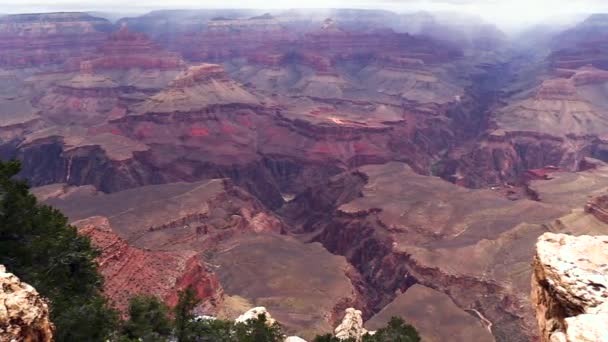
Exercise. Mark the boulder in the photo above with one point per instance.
(255, 313)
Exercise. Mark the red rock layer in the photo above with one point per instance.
(125, 50)
(129, 271)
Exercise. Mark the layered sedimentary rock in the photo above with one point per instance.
(226, 37)
(308, 144)
(583, 44)
(130, 271)
(570, 287)
(34, 40)
(24, 314)
(74, 111)
(598, 206)
(553, 113)
(471, 245)
(125, 50)
(176, 235)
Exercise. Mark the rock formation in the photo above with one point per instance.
(24, 314)
(548, 116)
(294, 339)
(254, 313)
(570, 288)
(598, 207)
(130, 271)
(351, 326)
(51, 39)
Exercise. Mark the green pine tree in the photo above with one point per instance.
(40, 247)
(148, 320)
(258, 330)
(396, 331)
(184, 317)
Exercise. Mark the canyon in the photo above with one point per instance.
(314, 161)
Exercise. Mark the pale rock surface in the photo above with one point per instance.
(570, 288)
(351, 326)
(24, 314)
(255, 313)
(294, 339)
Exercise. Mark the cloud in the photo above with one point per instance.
(505, 13)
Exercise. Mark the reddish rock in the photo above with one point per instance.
(125, 50)
(130, 271)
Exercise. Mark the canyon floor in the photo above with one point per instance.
(311, 161)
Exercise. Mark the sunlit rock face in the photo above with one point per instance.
(24, 314)
(570, 287)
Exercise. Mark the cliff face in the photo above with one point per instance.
(129, 271)
(24, 314)
(570, 287)
(29, 40)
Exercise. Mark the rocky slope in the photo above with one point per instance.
(24, 314)
(130, 271)
(569, 287)
(421, 235)
(215, 237)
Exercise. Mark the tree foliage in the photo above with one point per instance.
(40, 247)
(396, 331)
(259, 329)
(190, 329)
(330, 338)
(148, 321)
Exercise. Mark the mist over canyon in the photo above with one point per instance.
(313, 160)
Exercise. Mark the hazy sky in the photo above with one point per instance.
(505, 13)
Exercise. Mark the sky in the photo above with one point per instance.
(504, 13)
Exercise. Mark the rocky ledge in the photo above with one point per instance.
(24, 314)
(570, 288)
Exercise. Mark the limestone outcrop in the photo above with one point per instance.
(255, 313)
(294, 339)
(24, 314)
(351, 326)
(570, 287)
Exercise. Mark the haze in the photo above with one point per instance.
(507, 14)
